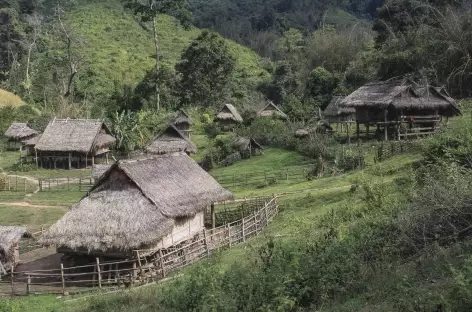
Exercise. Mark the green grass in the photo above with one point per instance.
(31, 217)
(56, 198)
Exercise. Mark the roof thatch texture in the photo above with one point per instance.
(98, 170)
(182, 118)
(243, 143)
(170, 140)
(271, 110)
(401, 94)
(9, 236)
(74, 135)
(20, 131)
(334, 108)
(229, 112)
(31, 141)
(136, 203)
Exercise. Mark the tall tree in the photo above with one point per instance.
(149, 10)
(206, 69)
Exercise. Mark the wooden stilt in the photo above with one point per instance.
(357, 131)
(70, 161)
(36, 155)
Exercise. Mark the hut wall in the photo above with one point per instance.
(183, 229)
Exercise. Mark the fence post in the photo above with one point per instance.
(206, 243)
(80, 184)
(255, 220)
(139, 264)
(134, 272)
(213, 216)
(62, 280)
(161, 260)
(99, 274)
(266, 216)
(242, 227)
(49, 184)
(28, 285)
(40, 182)
(16, 184)
(12, 279)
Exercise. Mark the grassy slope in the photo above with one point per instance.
(9, 99)
(120, 50)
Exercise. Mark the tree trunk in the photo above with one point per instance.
(156, 46)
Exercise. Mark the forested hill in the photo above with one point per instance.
(257, 23)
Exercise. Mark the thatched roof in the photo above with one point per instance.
(334, 108)
(243, 143)
(9, 236)
(182, 118)
(229, 112)
(31, 141)
(270, 110)
(170, 140)
(98, 170)
(19, 131)
(136, 202)
(74, 135)
(401, 94)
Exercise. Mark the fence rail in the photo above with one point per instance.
(146, 265)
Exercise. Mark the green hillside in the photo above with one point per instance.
(119, 50)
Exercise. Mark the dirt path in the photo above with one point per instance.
(26, 204)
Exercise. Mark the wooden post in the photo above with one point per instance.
(94, 276)
(242, 227)
(86, 160)
(28, 285)
(367, 130)
(110, 268)
(107, 156)
(161, 260)
(266, 216)
(99, 274)
(357, 132)
(36, 155)
(80, 184)
(139, 263)
(40, 182)
(93, 160)
(213, 216)
(385, 124)
(62, 280)
(255, 221)
(12, 273)
(70, 161)
(206, 242)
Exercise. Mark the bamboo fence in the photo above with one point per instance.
(146, 265)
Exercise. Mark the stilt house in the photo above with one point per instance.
(335, 113)
(68, 143)
(228, 116)
(183, 122)
(10, 237)
(149, 203)
(170, 140)
(19, 132)
(399, 108)
(271, 110)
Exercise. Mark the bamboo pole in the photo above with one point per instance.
(12, 279)
(266, 216)
(62, 280)
(206, 243)
(99, 274)
(139, 263)
(229, 235)
(28, 285)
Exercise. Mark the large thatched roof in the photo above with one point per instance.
(9, 236)
(229, 112)
(334, 108)
(401, 94)
(74, 135)
(270, 109)
(169, 141)
(182, 118)
(20, 131)
(136, 202)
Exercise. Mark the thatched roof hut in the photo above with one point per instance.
(247, 146)
(75, 135)
(398, 94)
(10, 237)
(270, 109)
(170, 140)
(229, 114)
(182, 118)
(136, 204)
(19, 131)
(335, 112)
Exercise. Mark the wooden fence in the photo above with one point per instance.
(81, 184)
(14, 184)
(385, 150)
(146, 265)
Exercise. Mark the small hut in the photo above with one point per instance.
(247, 147)
(149, 203)
(69, 141)
(228, 116)
(400, 107)
(18, 132)
(29, 144)
(170, 140)
(183, 122)
(271, 110)
(334, 113)
(10, 237)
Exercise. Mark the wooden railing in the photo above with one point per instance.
(146, 265)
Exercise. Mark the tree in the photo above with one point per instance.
(149, 11)
(206, 68)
